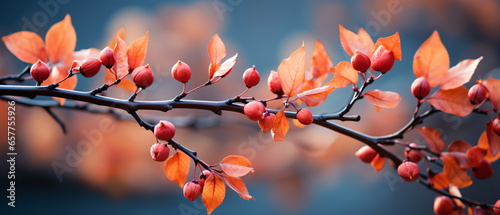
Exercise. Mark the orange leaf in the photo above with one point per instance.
(176, 168)
(121, 67)
(226, 67)
(391, 43)
(352, 42)
(461, 159)
(459, 146)
(433, 138)
(493, 86)
(493, 139)
(236, 166)
(292, 72)
(297, 123)
(345, 75)
(455, 175)
(216, 52)
(383, 99)
(26, 46)
(84, 53)
(454, 101)
(431, 60)
(439, 181)
(378, 163)
(119, 34)
(483, 144)
(320, 63)
(60, 40)
(280, 127)
(460, 74)
(58, 73)
(238, 185)
(213, 193)
(315, 96)
(136, 52)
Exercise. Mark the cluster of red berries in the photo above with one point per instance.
(193, 189)
(165, 131)
(382, 60)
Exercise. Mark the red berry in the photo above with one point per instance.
(483, 170)
(107, 57)
(496, 126)
(254, 110)
(305, 116)
(366, 154)
(496, 208)
(443, 205)
(40, 71)
(274, 83)
(164, 130)
(360, 61)
(159, 152)
(192, 190)
(251, 77)
(143, 76)
(412, 154)
(90, 67)
(203, 176)
(409, 171)
(382, 60)
(267, 123)
(477, 94)
(181, 72)
(420, 88)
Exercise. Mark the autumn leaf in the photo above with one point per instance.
(493, 86)
(431, 60)
(493, 139)
(378, 163)
(459, 146)
(454, 101)
(345, 75)
(456, 192)
(292, 72)
(213, 193)
(236, 166)
(391, 43)
(352, 42)
(320, 63)
(121, 68)
(461, 159)
(119, 34)
(226, 67)
(216, 52)
(383, 99)
(176, 168)
(439, 181)
(136, 52)
(315, 96)
(280, 127)
(483, 143)
(238, 185)
(26, 46)
(475, 155)
(57, 74)
(460, 74)
(452, 171)
(433, 138)
(60, 40)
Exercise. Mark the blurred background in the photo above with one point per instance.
(108, 170)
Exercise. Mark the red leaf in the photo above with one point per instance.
(459, 146)
(60, 40)
(460, 74)
(216, 52)
(321, 62)
(315, 96)
(213, 193)
(345, 75)
(433, 138)
(136, 52)
(391, 43)
(475, 156)
(431, 60)
(236, 166)
(292, 72)
(26, 46)
(493, 86)
(378, 163)
(455, 175)
(493, 139)
(461, 159)
(383, 99)
(226, 67)
(121, 67)
(454, 101)
(352, 42)
(280, 127)
(238, 185)
(176, 168)
(439, 181)
(483, 143)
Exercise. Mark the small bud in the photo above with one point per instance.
(483, 170)
(274, 83)
(251, 77)
(181, 72)
(164, 130)
(267, 123)
(192, 190)
(477, 94)
(412, 154)
(40, 71)
(254, 110)
(90, 67)
(382, 60)
(107, 57)
(159, 152)
(143, 76)
(496, 126)
(409, 171)
(420, 88)
(203, 176)
(305, 116)
(496, 208)
(360, 62)
(366, 154)
(443, 205)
